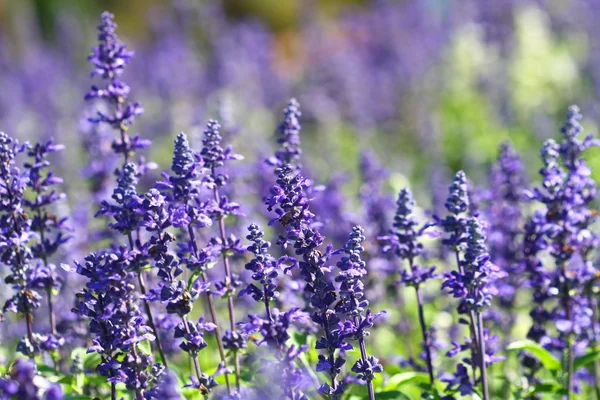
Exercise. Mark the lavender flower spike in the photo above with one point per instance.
(404, 243)
(473, 285)
(289, 140)
(564, 226)
(110, 57)
(275, 328)
(50, 228)
(352, 303)
(214, 157)
(15, 236)
(187, 212)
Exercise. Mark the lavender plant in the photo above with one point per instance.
(504, 216)
(403, 242)
(186, 211)
(276, 325)
(472, 284)
(352, 304)
(51, 229)
(214, 157)
(110, 57)
(563, 228)
(15, 237)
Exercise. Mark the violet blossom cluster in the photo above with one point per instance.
(353, 305)
(214, 158)
(290, 150)
(16, 237)
(562, 227)
(109, 58)
(472, 283)
(30, 235)
(290, 202)
(175, 202)
(404, 243)
(275, 326)
(503, 213)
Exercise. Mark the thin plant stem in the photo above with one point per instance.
(594, 343)
(424, 331)
(194, 359)
(29, 323)
(51, 315)
(211, 310)
(228, 280)
(484, 380)
(148, 310)
(363, 355)
(426, 338)
(139, 392)
(566, 300)
(267, 301)
(475, 346)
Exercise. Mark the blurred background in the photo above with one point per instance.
(428, 86)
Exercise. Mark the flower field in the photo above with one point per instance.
(368, 200)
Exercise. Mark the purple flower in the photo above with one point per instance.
(352, 304)
(275, 327)
(457, 205)
(265, 269)
(165, 385)
(116, 323)
(23, 382)
(473, 282)
(289, 140)
(187, 168)
(563, 227)
(110, 57)
(193, 336)
(16, 236)
(214, 155)
(127, 205)
(503, 201)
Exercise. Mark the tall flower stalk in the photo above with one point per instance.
(289, 201)
(275, 326)
(15, 235)
(404, 243)
(455, 225)
(471, 283)
(214, 157)
(503, 212)
(564, 226)
(352, 304)
(187, 212)
(50, 228)
(110, 57)
(109, 301)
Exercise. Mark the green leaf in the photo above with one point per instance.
(392, 394)
(404, 378)
(46, 370)
(586, 359)
(192, 279)
(91, 360)
(73, 396)
(145, 346)
(546, 358)
(547, 387)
